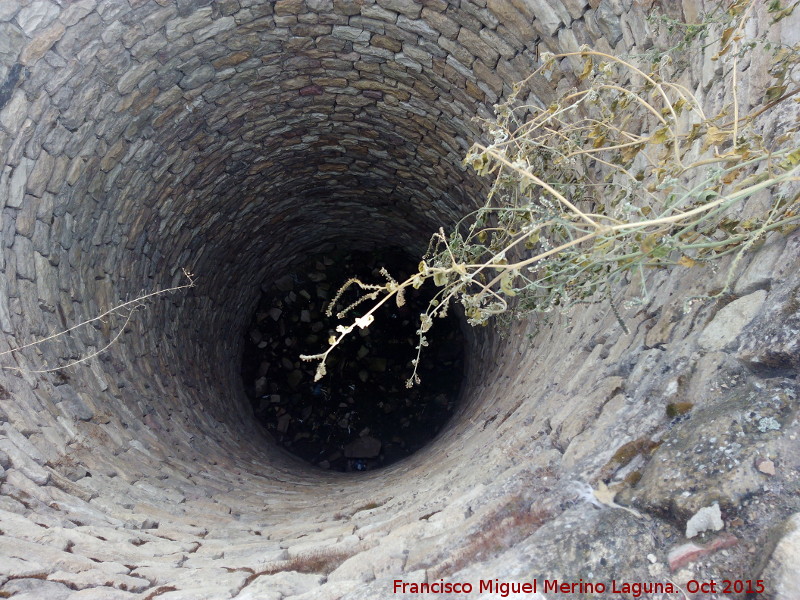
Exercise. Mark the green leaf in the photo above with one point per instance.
(707, 195)
(791, 160)
(729, 225)
(506, 282)
(660, 136)
(774, 92)
(660, 252)
(722, 52)
(482, 164)
(695, 132)
(629, 153)
(778, 12)
(726, 35)
(649, 243)
(587, 69)
(714, 136)
(599, 141)
(603, 245)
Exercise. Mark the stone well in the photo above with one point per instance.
(231, 138)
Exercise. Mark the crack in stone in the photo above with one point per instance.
(15, 74)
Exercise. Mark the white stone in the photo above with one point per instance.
(36, 15)
(760, 270)
(550, 13)
(306, 548)
(254, 555)
(48, 558)
(175, 28)
(351, 34)
(16, 184)
(103, 593)
(36, 589)
(708, 518)
(728, 323)
(782, 577)
(576, 8)
(8, 8)
(14, 113)
(279, 586)
(97, 577)
(333, 590)
(25, 458)
(17, 526)
(209, 583)
(216, 27)
(354, 568)
(18, 567)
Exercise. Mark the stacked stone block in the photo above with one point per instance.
(230, 138)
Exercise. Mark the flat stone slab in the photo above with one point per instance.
(781, 571)
(711, 456)
(279, 586)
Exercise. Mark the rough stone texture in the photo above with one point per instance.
(280, 585)
(711, 455)
(771, 343)
(729, 322)
(33, 589)
(229, 138)
(782, 568)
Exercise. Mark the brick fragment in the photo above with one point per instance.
(684, 554)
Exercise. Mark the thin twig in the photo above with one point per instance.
(132, 305)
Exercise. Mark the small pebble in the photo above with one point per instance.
(766, 466)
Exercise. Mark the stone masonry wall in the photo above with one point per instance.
(140, 137)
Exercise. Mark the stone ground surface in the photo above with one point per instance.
(230, 137)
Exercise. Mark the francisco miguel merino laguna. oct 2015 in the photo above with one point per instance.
(507, 588)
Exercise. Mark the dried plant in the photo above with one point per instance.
(626, 172)
(501, 530)
(125, 310)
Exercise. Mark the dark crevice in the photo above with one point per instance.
(361, 415)
(15, 73)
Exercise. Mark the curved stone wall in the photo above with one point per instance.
(231, 138)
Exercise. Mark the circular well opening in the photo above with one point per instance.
(371, 408)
